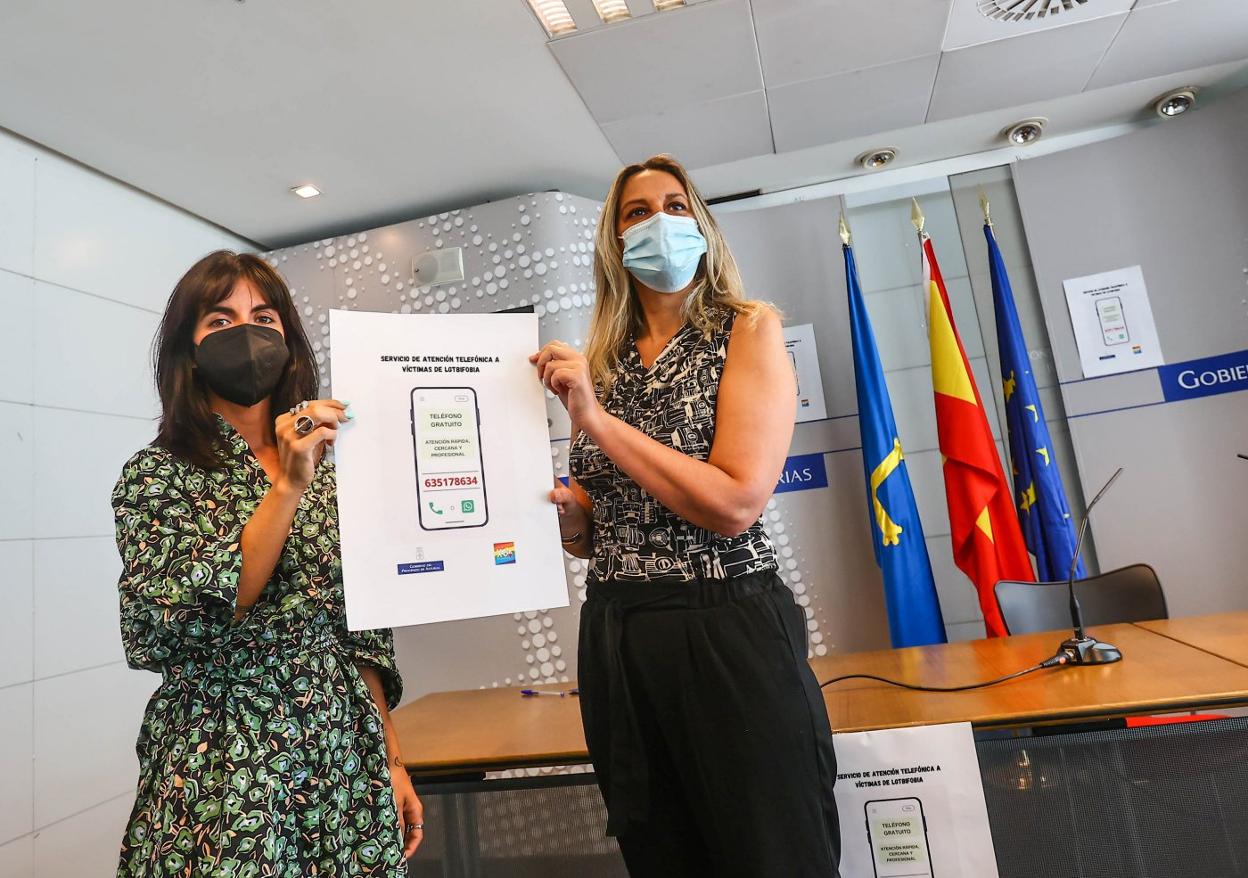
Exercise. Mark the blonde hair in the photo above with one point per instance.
(617, 312)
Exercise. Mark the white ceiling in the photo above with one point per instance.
(834, 69)
(397, 109)
(392, 107)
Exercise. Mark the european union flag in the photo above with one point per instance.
(909, 590)
(1038, 491)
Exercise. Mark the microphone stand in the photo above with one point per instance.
(1082, 649)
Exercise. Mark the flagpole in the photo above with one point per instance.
(983, 205)
(913, 605)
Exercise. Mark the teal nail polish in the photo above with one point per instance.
(350, 417)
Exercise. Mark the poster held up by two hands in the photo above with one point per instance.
(444, 473)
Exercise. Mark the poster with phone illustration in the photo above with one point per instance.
(911, 804)
(444, 471)
(799, 342)
(1113, 322)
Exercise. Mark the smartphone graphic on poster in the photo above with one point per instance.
(450, 468)
(797, 376)
(1113, 323)
(897, 833)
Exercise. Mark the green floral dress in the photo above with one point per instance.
(262, 753)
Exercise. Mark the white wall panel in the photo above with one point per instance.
(17, 735)
(93, 354)
(17, 205)
(17, 598)
(76, 622)
(17, 454)
(17, 858)
(17, 352)
(86, 724)
(96, 235)
(77, 460)
(86, 844)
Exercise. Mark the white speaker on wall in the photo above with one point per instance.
(438, 267)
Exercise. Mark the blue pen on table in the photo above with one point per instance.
(528, 693)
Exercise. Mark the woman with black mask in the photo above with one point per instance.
(268, 748)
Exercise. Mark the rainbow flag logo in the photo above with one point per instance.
(504, 553)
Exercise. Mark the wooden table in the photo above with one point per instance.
(1157, 674)
(1222, 634)
(492, 729)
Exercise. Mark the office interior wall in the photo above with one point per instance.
(86, 265)
(791, 254)
(537, 249)
(1173, 199)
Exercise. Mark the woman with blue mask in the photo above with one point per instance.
(705, 724)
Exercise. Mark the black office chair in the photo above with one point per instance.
(1128, 594)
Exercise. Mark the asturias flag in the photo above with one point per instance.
(1038, 490)
(987, 543)
(909, 590)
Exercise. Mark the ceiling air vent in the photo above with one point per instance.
(1026, 10)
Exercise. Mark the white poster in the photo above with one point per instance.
(1113, 322)
(911, 804)
(444, 473)
(799, 341)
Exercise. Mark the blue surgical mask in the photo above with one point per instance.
(663, 252)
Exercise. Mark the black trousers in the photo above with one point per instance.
(707, 729)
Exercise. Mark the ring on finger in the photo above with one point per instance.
(304, 425)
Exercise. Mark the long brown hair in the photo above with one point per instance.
(188, 425)
(617, 313)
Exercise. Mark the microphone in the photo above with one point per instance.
(1082, 649)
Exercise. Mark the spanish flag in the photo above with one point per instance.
(987, 542)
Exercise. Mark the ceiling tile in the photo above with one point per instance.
(965, 135)
(393, 108)
(1034, 67)
(970, 26)
(660, 62)
(836, 108)
(809, 39)
(1161, 38)
(702, 134)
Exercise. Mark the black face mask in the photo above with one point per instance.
(243, 363)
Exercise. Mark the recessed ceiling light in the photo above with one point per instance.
(611, 11)
(664, 5)
(307, 190)
(874, 159)
(1025, 132)
(1175, 103)
(554, 16)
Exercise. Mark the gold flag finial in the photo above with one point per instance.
(983, 205)
(846, 237)
(916, 215)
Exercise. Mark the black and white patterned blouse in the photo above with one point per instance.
(636, 538)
